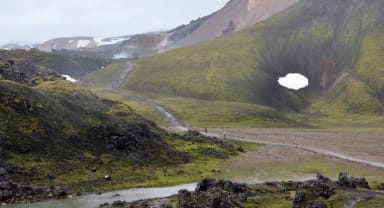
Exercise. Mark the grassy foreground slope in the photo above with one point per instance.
(54, 132)
(100, 80)
(336, 44)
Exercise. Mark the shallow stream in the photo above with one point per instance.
(94, 200)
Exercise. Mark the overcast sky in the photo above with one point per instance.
(29, 21)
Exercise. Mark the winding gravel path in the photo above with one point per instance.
(319, 151)
(255, 138)
(174, 124)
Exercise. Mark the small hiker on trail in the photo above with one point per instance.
(206, 131)
(225, 135)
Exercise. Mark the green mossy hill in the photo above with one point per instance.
(56, 132)
(323, 40)
(60, 120)
(74, 66)
(100, 79)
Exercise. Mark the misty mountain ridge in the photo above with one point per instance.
(234, 16)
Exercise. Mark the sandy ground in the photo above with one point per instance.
(358, 145)
(296, 162)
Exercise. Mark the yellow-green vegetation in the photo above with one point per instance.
(350, 97)
(371, 202)
(125, 174)
(101, 78)
(141, 108)
(59, 133)
(63, 87)
(242, 168)
(324, 32)
(220, 114)
(349, 121)
(187, 73)
(244, 67)
(370, 64)
(270, 202)
(337, 200)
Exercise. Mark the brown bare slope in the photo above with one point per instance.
(236, 15)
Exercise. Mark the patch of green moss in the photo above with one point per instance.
(270, 202)
(323, 33)
(140, 108)
(350, 97)
(220, 114)
(75, 172)
(371, 202)
(64, 87)
(337, 199)
(245, 169)
(370, 64)
(101, 78)
(192, 74)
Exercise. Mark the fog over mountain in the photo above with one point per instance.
(40, 20)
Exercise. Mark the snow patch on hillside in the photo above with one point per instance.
(110, 41)
(69, 78)
(82, 43)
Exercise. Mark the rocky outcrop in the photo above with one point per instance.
(314, 193)
(196, 136)
(212, 193)
(25, 74)
(126, 139)
(118, 203)
(11, 192)
(38, 66)
(240, 189)
(352, 182)
(277, 185)
(213, 153)
(308, 194)
(318, 193)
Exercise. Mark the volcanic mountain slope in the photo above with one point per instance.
(234, 16)
(337, 44)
